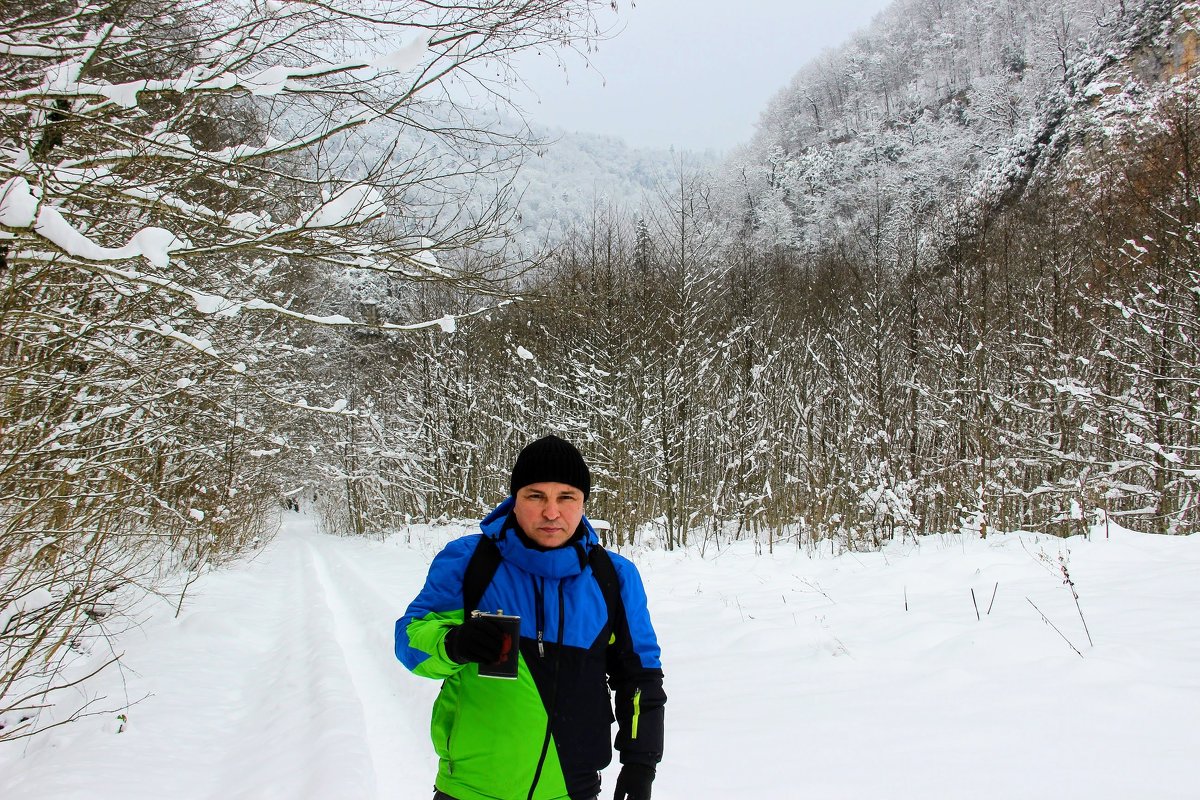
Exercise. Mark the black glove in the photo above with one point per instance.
(634, 782)
(477, 639)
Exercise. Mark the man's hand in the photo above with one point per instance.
(634, 782)
(478, 639)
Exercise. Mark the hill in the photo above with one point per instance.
(944, 106)
(564, 183)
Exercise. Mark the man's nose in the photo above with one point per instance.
(552, 511)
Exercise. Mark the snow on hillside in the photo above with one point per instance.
(575, 175)
(791, 674)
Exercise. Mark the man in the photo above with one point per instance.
(583, 618)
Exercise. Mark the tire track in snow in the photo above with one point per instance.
(304, 710)
(395, 705)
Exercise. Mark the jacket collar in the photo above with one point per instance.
(561, 562)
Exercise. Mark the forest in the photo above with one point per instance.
(898, 311)
(952, 284)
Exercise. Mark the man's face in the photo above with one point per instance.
(549, 512)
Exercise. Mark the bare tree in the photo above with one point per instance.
(181, 184)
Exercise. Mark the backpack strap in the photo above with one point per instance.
(610, 586)
(480, 570)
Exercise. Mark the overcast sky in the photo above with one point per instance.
(690, 73)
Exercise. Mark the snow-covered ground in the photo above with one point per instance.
(789, 675)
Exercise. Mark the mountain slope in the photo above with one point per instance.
(941, 101)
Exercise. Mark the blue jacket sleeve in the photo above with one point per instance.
(421, 632)
(635, 674)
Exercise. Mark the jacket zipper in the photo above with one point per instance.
(562, 614)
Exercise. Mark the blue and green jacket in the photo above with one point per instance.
(546, 735)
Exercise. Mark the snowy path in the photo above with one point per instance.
(790, 675)
(277, 681)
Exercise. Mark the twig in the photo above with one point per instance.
(977, 617)
(1071, 585)
(906, 598)
(25, 704)
(993, 600)
(816, 587)
(1046, 620)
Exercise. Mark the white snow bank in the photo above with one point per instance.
(25, 604)
(861, 675)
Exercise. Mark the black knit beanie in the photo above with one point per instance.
(551, 459)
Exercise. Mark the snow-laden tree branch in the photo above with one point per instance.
(196, 198)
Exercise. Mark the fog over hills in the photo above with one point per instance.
(574, 174)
